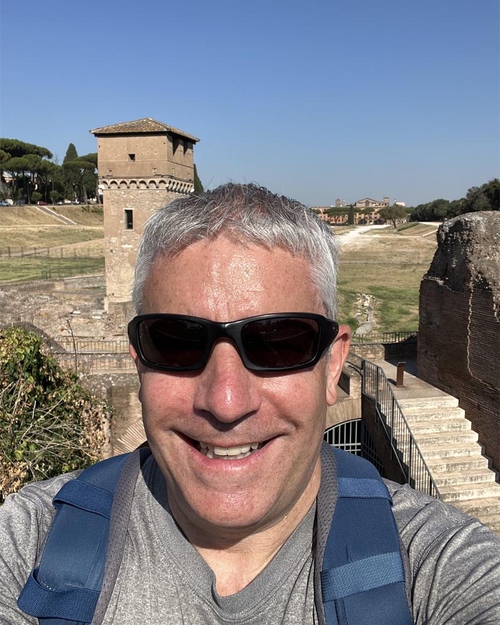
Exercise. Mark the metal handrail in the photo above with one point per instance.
(90, 346)
(404, 447)
(383, 337)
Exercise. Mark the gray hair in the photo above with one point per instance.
(241, 212)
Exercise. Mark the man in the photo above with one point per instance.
(238, 358)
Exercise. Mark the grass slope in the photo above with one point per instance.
(34, 244)
(388, 266)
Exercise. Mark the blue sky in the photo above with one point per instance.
(317, 100)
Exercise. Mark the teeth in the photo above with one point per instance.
(233, 453)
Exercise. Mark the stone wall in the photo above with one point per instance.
(459, 332)
(121, 391)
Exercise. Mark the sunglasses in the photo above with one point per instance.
(275, 342)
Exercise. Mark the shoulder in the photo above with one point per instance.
(33, 502)
(419, 515)
(450, 553)
(25, 518)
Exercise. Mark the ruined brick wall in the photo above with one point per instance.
(459, 330)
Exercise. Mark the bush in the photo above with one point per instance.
(49, 423)
(36, 196)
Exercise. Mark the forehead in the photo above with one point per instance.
(222, 280)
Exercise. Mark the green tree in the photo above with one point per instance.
(17, 166)
(71, 173)
(49, 175)
(71, 153)
(90, 182)
(350, 219)
(492, 191)
(49, 423)
(198, 187)
(393, 213)
(81, 175)
(484, 198)
(23, 161)
(14, 147)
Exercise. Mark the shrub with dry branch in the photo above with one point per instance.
(49, 423)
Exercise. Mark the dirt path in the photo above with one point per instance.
(351, 237)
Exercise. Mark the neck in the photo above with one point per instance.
(238, 555)
(238, 563)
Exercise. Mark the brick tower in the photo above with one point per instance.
(143, 165)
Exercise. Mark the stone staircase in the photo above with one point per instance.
(451, 451)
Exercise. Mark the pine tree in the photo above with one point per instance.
(198, 186)
(71, 154)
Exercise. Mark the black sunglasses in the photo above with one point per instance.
(275, 342)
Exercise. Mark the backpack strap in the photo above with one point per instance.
(362, 577)
(65, 587)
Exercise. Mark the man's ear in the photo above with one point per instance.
(134, 356)
(138, 366)
(338, 354)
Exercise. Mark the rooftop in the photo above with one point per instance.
(145, 125)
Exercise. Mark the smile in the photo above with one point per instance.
(228, 453)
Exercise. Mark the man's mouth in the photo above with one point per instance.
(228, 453)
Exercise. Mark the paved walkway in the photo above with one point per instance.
(413, 387)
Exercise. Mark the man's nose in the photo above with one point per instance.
(226, 389)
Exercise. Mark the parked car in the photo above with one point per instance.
(4, 203)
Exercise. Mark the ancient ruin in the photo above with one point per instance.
(459, 331)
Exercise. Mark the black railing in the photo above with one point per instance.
(404, 447)
(383, 337)
(92, 346)
(87, 362)
(93, 354)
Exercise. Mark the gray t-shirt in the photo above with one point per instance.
(454, 565)
(177, 586)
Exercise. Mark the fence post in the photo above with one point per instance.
(400, 373)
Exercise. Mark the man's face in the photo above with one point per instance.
(227, 406)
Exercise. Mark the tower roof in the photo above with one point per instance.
(146, 125)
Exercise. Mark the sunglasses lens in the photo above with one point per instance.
(280, 343)
(272, 342)
(172, 343)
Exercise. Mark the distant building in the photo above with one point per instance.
(368, 202)
(366, 211)
(143, 165)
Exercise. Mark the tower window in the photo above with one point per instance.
(129, 219)
(131, 157)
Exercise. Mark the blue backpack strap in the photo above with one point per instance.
(362, 578)
(65, 587)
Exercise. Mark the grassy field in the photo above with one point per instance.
(389, 266)
(82, 215)
(20, 269)
(34, 244)
(25, 227)
(43, 236)
(386, 264)
(33, 216)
